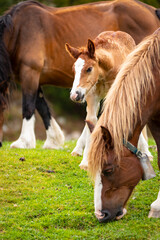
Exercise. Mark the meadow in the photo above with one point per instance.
(45, 195)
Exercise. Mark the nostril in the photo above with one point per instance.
(82, 96)
(119, 213)
(78, 97)
(106, 217)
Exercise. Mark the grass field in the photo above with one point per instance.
(47, 196)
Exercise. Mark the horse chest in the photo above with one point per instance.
(102, 88)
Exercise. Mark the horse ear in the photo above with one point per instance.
(90, 125)
(73, 52)
(107, 137)
(91, 48)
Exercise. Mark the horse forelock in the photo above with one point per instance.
(123, 103)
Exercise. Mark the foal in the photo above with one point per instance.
(95, 69)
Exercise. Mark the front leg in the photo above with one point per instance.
(30, 81)
(143, 144)
(92, 111)
(27, 137)
(155, 208)
(154, 126)
(81, 142)
(84, 162)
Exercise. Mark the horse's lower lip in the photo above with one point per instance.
(121, 214)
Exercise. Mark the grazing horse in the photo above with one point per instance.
(95, 69)
(132, 102)
(32, 48)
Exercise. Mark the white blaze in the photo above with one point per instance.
(78, 69)
(98, 195)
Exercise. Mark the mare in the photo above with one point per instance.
(95, 69)
(132, 102)
(32, 48)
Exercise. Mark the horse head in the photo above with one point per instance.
(86, 70)
(114, 179)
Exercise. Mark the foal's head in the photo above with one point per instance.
(114, 179)
(87, 70)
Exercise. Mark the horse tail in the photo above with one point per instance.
(5, 63)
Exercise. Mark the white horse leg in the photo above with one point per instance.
(84, 162)
(143, 145)
(29, 78)
(155, 208)
(55, 137)
(78, 150)
(92, 110)
(27, 137)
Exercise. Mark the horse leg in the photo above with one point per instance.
(55, 137)
(92, 111)
(154, 127)
(143, 143)
(78, 150)
(30, 82)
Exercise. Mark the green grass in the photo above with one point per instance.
(48, 196)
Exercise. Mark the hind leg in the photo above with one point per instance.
(30, 82)
(55, 137)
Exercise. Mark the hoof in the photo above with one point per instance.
(0, 144)
(150, 158)
(83, 166)
(51, 146)
(23, 144)
(154, 214)
(77, 152)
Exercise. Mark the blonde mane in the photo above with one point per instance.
(123, 103)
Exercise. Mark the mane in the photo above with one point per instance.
(123, 103)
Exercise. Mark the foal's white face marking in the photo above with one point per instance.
(97, 196)
(79, 64)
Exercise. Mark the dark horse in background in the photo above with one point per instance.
(32, 49)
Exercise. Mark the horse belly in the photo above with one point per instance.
(56, 78)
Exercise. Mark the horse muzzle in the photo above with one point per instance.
(105, 216)
(78, 96)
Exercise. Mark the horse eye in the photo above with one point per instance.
(89, 70)
(108, 171)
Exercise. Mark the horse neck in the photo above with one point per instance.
(107, 68)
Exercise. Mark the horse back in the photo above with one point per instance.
(134, 17)
(40, 32)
